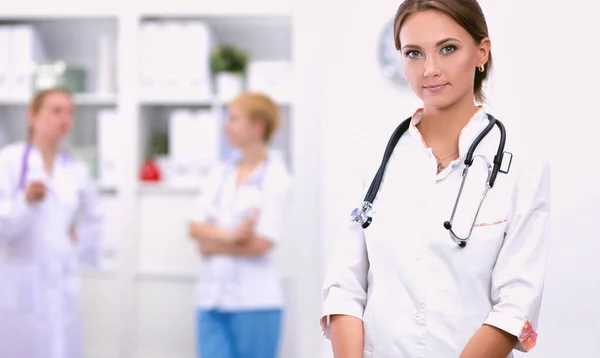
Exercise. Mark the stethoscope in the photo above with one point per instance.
(24, 166)
(361, 215)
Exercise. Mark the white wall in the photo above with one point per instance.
(545, 86)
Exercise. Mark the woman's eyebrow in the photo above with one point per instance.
(439, 43)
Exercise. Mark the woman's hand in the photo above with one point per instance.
(208, 247)
(35, 192)
(243, 232)
(245, 229)
(73, 235)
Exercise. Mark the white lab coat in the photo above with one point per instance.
(420, 295)
(233, 284)
(39, 283)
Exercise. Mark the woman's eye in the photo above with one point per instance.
(448, 49)
(412, 54)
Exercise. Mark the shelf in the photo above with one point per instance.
(222, 8)
(107, 190)
(183, 100)
(94, 273)
(84, 99)
(166, 276)
(191, 101)
(58, 9)
(164, 188)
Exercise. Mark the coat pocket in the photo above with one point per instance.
(484, 245)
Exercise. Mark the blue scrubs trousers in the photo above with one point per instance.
(246, 334)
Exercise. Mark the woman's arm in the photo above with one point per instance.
(490, 342)
(214, 240)
(345, 286)
(347, 336)
(205, 232)
(345, 294)
(255, 246)
(15, 212)
(518, 276)
(258, 234)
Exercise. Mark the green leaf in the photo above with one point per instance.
(228, 58)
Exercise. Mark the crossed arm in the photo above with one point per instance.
(242, 241)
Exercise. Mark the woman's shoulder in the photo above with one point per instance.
(528, 164)
(12, 152)
(278, 172)
(13, 147)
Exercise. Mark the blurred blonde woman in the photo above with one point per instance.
(238, 221)
(49, 222)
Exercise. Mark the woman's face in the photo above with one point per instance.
(241, 131)
(440, 58)
(54, 118)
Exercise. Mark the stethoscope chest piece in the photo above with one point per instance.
(361, 215)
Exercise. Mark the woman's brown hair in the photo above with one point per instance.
(37, 102)
(467, 13)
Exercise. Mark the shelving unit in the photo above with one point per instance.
(150, 263)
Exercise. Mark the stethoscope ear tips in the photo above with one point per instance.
(462, 244)
(367, 223)
(447, 225)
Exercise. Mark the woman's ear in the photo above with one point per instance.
(484, 51)
(260, 127)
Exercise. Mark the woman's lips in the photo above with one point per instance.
(436, 88)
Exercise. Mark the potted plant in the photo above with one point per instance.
(228, 64)
(158, 149)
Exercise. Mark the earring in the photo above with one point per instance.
(481, 68)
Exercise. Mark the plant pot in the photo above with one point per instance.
(150, 171)
(228, 85)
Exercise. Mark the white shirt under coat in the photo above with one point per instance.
(420, 295)
(241, 283)
(39, 279)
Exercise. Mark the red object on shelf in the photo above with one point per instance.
(150, 171)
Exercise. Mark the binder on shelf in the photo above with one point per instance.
(190, 42)
(4, 60)
(105, 65)
(273, 78)
(194, 143)
(108, 136)
(26, 51)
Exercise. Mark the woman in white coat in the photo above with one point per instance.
(402, 287)
(49, 220)
(238, 222)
